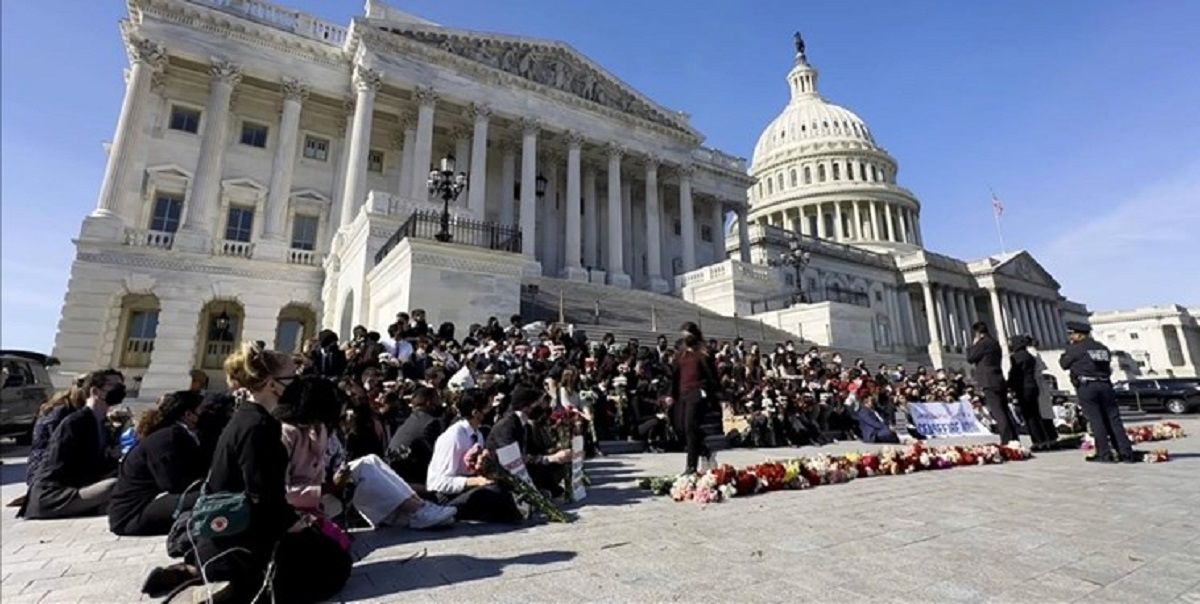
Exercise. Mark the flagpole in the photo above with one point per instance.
(996, 215)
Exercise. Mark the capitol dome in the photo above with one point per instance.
(820, 173)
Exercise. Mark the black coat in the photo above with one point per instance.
(417, 435)
(333, 366)
(167, 461)
(510, 429)
(251, 459)
(1022, 374)
(77, 456)
(986, 356)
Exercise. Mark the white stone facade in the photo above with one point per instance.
(262, 158)
(1161, 341)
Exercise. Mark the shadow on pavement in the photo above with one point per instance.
(388, 577)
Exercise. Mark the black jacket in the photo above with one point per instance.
(167, 461)
(251, 459)
(77, 456)
(417, 436)
(986, 356)
(331, 365)
(510, 429)
(1022, 374)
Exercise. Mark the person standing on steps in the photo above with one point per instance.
(694, 387)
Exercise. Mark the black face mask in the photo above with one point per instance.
(115, 396)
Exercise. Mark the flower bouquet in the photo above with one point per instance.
(725, 482)
(482, 462)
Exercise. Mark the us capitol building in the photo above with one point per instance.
(269, 177)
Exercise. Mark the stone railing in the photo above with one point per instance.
(757, 272)
(719, 158)
(727, 269)
(149, 238)
(702, 275)
(304, 257)
(137, 352)
(215, 353)
(299, 23)
(390, 204)
(237, 249)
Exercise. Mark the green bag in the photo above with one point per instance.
(220, 515)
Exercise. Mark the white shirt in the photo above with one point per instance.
(448, 471)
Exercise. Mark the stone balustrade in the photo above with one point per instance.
(149, 238)
(237, 249)
(304, 257)
(297, 22)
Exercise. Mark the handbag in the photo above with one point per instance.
(217, 514)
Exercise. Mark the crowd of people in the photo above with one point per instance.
(256, 485)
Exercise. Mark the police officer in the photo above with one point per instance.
(1090, 365)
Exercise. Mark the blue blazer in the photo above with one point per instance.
(872, 427)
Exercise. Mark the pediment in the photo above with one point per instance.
(309, 196)
(168, 171)
(548, 63)
(1023, 267)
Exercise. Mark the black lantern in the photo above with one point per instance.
(445, 183)
(221, 323)
(540, 186)
(797, 258)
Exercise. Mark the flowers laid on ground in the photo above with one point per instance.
(725, 481)
(482, 462)
(1157, 456)
(1145, 433)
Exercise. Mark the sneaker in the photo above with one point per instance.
(431, 515)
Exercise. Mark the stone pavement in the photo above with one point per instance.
(1052, 529)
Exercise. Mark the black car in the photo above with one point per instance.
(1175, 395)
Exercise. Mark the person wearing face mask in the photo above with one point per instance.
(476, 497)
(160, 468)
(76, 477)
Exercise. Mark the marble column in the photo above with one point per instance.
(950, 333)
(572, 268)
(1012, 327)
(857, 234)
(998, 321)
(743, 235)
(1026, 316)
(477, 187)
(423, 150)
(839, 232)
(687, 218)
(904, 234)
(964, 319)
(548, 220)
(462, 149)
(628, 234)
(909, 318)
(282, 168)
(147, 59)
(195, 235)
(717, 216)
(590, 221)
(876, 235)
(805, 227)
(1047, 328)
(916, 220)
(616, 273)
(508, 182)
(529, 138)
(822, 232)
(653, 229)
(408, 129)
(366, 83)
(931, 317)
(1039, 320)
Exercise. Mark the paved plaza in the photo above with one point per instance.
(1052, 529)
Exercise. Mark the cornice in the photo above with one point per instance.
(168, 261)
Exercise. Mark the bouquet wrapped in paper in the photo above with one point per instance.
(483, 462)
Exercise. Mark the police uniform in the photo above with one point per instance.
(1090, 365)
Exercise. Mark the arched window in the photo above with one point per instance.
(862, 171)
(807, 175)
(837, 171)
(779, 180)
(792, 177)
(821, 173)
(874, 174)
(849, 171)
(770, 189)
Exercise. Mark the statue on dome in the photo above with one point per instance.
(799, 45)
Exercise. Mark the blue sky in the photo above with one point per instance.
(1082, 115)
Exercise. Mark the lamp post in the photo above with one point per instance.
(797, 258)
(445, 183)
(539, 186)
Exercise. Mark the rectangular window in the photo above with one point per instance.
(184, 119)
(678, 228)
(240, 224)
(304, 232)
(143, 324)
(706, 233)
(375, 161)
(254, 135)
(167, 209)
(139, 339)
(316, 148)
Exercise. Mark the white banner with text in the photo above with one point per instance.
(941, 420)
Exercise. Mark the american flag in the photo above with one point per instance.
(997, 205)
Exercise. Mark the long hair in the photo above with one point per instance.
(170, 408)
(252, 366)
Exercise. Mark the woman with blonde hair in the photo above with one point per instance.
(276, 552)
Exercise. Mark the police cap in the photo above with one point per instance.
(1078, 327)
